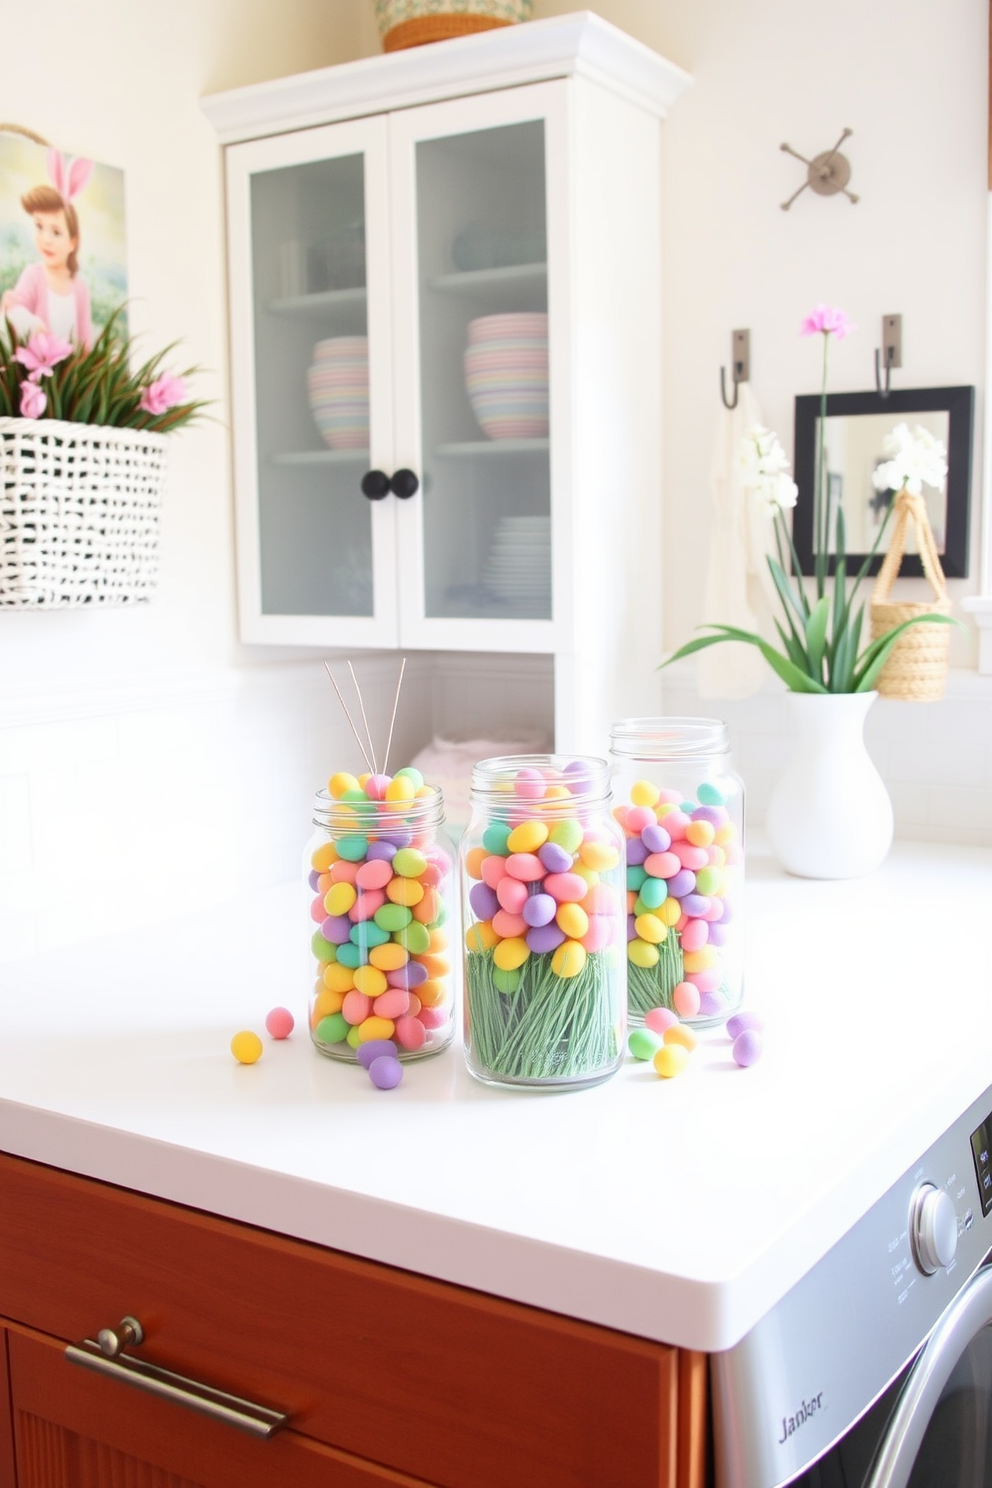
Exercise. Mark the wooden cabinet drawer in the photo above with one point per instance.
(450, 1385)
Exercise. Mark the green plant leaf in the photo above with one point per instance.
(794, 604)
(816, 636)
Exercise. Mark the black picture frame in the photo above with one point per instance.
(958, 402)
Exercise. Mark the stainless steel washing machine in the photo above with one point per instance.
(875, 1370)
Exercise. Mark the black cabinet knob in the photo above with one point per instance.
(375, 484)
(404, 484)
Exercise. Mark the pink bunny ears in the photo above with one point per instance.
(68, 183)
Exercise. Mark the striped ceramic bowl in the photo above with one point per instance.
(506, 375)
(338, 388)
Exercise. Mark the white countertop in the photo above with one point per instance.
(679, 1210)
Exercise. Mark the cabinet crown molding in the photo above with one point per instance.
(577, 45)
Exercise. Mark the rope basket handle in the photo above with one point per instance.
(27, 133)
(910, 508)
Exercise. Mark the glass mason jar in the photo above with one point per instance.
(543, 919)
(383, 897)
(681, 807)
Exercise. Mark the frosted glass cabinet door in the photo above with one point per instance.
(472, 321)
(310, 341)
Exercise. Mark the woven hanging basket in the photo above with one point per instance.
(916, 667)
(410, 23)
(79, 513)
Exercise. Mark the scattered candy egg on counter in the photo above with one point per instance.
(741, 1022)
(279, 1023)
(643, 1043)
(385, 1072)
(747, 1048)
(246, 1046)
(671, 1060)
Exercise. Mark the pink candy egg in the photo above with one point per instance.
(356, 1007)
(508, 925)
(660, 1018)
(525, 866)
(392, 1004)
(662, 865)
(747, 1048)
(375, 787)
(567, 888)
(686, 998)
(433, 1017)
(639, 817)
(375, 874)
(529, 784)
(366, 905)
(410, 1032)
(599, 934)
(493, 870)
(512, 894)
(279, 1023)
(695, 934)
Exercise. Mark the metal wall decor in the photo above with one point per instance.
(826, 174)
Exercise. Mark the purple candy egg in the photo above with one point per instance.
(747, 1048)
(716, 934)
(483, 901)
(655, 838)
(382, 851)
(716, 815)
(539, 909)
(544, 938)
(728, 912)
(365, 1053)
(711, 1005)
(695, 905)
(313, 879)
(745, 1023)
(681, 883)
(555, 858)
(397, 839)
(410, 975)
(385, 1072)
(336, 929)
(636, 851)
(631, 927)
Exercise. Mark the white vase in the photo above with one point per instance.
(829, 815)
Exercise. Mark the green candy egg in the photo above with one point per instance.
(412, 773)
(710, 794)
(366, 934)
(354, 849)
(708, 880)
(332, 1030)
(323, 949)
(350, 954)
(355, 796)
(495, 838)
(393, 917)
(408, 862)
(415, 938)
(653, 893)
(567, 834)
(643, 1043)
(506, 981)
(353, 1039)
(635, 877)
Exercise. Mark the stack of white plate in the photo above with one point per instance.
(518, 568)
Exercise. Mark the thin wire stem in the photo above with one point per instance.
(368, 731)
(349, 718)
(396, 703)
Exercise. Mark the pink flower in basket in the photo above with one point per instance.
(162, 394)
(41, 355)
(33, 400)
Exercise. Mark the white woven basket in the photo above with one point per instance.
(79, 513)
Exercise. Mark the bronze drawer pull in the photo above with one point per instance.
(104, 1355)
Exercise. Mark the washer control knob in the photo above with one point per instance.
(934, 1228)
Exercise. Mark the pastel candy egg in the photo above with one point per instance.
(409, 862)
(700, 832)
(336, 928)
(375, 787)
(675, 823)
(408, 891)
(717, 934)
(601, 898)
(681, 883)
(400, 788)
(653, 892)
(372, 1049)
(636, 852)
(712, 1004)
(709, 880)
(366, 905)
(649, 927)
(325, 1003)
(639, 817)
(512, 894)
(600, 856)
(705, 981)
(680, 1033)
(410, 772)
(511, 953)
(246, 1046)
(556, 859)
(644, 1044)
(659, 1018)
(495, 838)
(493, 869)
(695, 905)
(482, 899)
(599, 933)
(411, 1033)
(539, 909)
(662, 865)
(374, 1027)
(414, 975)
(392, 917)
(416, 938)
(689, 856)
(715, 815)
(392, 1003)
(353, 848)
(279, 1023)
(528, 837)
(569, 959)
(332, 1029)
(655, 838)
(343, 872)
(323, 856)
(355, 1008)
(742, 1022)
(434, 1017)
(384, 1072)
(670, 912)
(506, 981)
(480, 937)
(338, 978)
(710, 794)
(686, 1000)
(747, 1047)
(642, 953)
(529, 783)
(635, 876)
(340, 782)
(566, 887)
(695, 935)
(475, 858)
(339, 898)
(352, 1038)
(508, 925)
(321, 948)
(525, 866)
(566, 834)
(375, 873)
(544, 938)
(573, 919)
(370, 981)
(670, 1060)
(644, 793)
(382, 850)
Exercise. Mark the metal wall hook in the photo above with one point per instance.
(826, 174)
(891, 352)
(740, 358)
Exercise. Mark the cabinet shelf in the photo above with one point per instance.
(468, 281)
(326, 300)
(320, 457)
(470, 448)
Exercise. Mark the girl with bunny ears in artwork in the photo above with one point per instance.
(52, 295)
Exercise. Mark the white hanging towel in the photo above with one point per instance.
(737, 580)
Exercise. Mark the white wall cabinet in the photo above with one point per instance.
(398, 199)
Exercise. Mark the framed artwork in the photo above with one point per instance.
(62, 249)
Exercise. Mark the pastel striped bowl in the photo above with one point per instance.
(338, 389)
(506, 375)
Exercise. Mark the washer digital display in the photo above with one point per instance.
(981, 1147)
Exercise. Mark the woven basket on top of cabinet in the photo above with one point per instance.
(79, 513)
(409, 23)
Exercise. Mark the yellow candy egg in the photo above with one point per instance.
(246, 1047)
(650, 927)
(324, 1004)
(371, 981)
(339, 978)
(341, 782)
(323, 856)
(481, 937)
(573, 919)
(642, 953)
(569, 959)
(670, 912)
(599, 856)
(700, 833)
(375, 1028)
(400, 788)
(527, 837)
(405, 891)
(670, 1060)
(700, 960)
(581, 871)
(339, 898)
(724, 834)
(644, 793)
(513, 952)
(681, 1034)
(388, 957)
